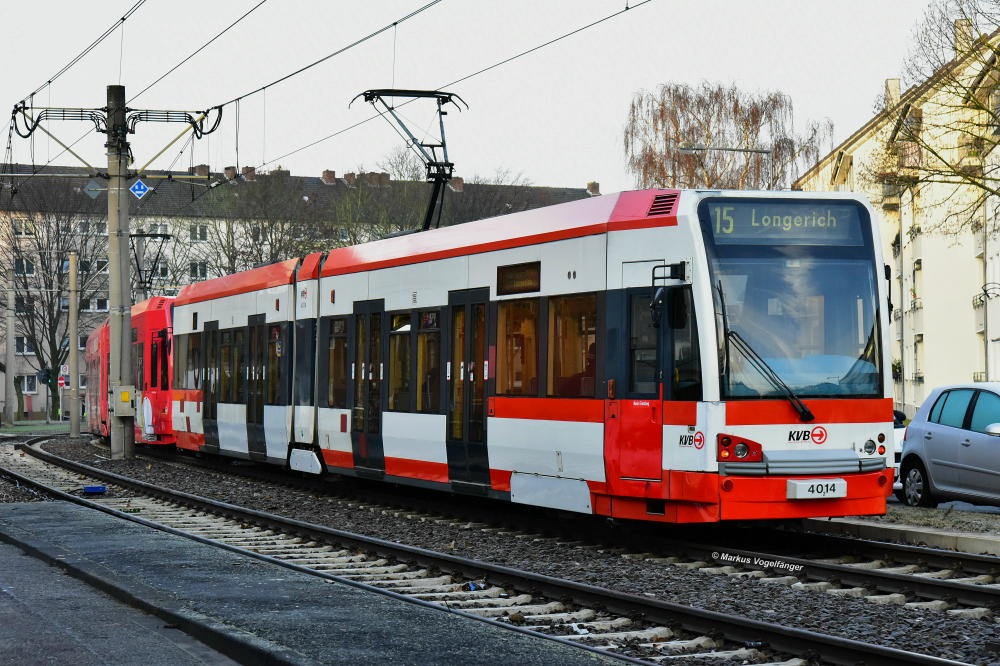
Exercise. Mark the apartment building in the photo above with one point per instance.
(195, 225)
(923, 161)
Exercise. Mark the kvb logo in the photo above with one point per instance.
(819, 435)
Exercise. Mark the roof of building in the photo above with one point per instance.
(176, 194)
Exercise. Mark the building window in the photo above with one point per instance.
(102, 304)
(399, 363)
(82, 342)
(23, 304)
(517, 347)
(159, 228)
(64, 303)
(161, 270)
(23, 346)
(29, 384)
(199, 232)
(82, 380)
(102, 266)
(336, 359)
(198, 270)
(24, 267)
(429, 363)
(572, 351)
(23, 228)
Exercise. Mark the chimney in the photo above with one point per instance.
(280, 172)
(249, 174)
(891, 93)
(594, 189)
(201, 170)
(383, 179)
(363, 179)
(964, 36)
(329, 177)
(230, 173)
(350, 179)
(457, 184)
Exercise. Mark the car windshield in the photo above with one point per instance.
(808, 309)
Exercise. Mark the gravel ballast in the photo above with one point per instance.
(929, 632)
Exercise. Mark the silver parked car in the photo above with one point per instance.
(952, 447)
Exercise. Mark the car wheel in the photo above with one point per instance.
(916, 488)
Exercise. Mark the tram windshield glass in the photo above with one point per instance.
(800, 291)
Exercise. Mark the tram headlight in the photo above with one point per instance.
(869, 447)
(741, 450)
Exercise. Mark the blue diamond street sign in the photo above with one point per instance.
(139, 189)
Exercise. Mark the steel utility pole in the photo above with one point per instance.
(74, 346)
(10, 394)
(120, 298)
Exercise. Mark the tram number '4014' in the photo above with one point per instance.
(816, 488)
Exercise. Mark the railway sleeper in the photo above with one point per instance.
(505, 602)
(599, 626)
(652, 634)
(460, 595)
(369, 571)
(689, 645)
(399, 573)
(529, 609)
(581, 615)
(311, 559)
(407, 584)
(742, 654)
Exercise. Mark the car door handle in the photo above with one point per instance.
(966, 442)
(928, 435)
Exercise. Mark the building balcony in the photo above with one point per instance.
(917, 378)
(915, 318)
(978, 307)
(979, 376)
(915, 245)
(890, 196)
(978, 242)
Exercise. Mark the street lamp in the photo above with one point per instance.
(987, 291)
(689, 148)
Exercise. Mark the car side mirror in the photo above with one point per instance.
(993, 429)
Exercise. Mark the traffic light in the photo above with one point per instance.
(44, 375)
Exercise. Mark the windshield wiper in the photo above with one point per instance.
(758, 362)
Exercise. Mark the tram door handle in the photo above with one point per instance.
(652, 412)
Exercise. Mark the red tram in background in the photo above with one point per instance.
(152, 372)
(663, 355)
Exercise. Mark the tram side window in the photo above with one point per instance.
(194, 369)
(517, 347)
(138, 358)
(572, 349)
(686, 379)
(337, 364)
(227, 380)
(164, 363)
(642, 346)
(154, 364)
(399, 363)
(180, 361)
(429, 363)
(274, 353)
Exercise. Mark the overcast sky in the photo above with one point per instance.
(555, 116)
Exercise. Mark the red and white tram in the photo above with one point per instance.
(677, 356)
(152, 372)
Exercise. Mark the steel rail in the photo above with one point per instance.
(834, 649)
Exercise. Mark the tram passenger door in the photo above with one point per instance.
(369, 374)
(466, 372)
(210, 386)
(634, 421)
(256, 382)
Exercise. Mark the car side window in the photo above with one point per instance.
(986, 411)
(953, 412)
(935, 415)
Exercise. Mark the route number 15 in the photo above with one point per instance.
(724, 220)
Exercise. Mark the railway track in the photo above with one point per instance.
(960, 584)
(628, 626)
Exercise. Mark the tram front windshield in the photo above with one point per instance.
(795, 281)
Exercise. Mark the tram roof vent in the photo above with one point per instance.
(663, 204)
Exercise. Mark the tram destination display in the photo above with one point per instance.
(755, 222)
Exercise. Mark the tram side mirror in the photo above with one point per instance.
(993, 429)
(656, 305)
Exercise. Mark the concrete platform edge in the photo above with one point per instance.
(231, 642)
(965, 542)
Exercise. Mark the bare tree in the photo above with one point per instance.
(712, 115)
(945, 127)
(38, 228)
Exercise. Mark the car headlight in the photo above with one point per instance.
(869, 447)
(741, 450)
